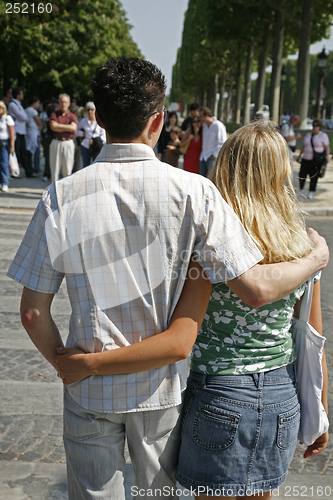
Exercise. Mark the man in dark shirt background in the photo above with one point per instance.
(194, 111)
(63, 124)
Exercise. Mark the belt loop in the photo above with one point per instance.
(203, 380)
(261, 377)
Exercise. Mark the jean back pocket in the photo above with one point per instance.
(288, 427)
(215, 428)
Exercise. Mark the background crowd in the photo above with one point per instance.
(70, 138)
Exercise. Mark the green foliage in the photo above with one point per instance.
(64, 54)
(216, 34)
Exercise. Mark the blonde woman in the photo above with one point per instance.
(241, 409)
(231, 434)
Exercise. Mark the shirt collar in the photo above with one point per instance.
(125, 153)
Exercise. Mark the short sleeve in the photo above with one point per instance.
(10, 121)
(326, 140)
(53, 117)
(285, 130)
(32, 266)
(223, 248)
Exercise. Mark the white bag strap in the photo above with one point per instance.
(306, 301)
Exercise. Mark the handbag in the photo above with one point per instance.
(96, 146)
(13, 165)
(318, 158)
(183, 149)
(309, 346)
(322, 170)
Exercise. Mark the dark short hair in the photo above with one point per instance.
(16, 91)
(194, 106)
(317, 123)
(33, 99)
(176, 129)
(126, 90)
(205, 111)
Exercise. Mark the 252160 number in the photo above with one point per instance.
(25, 8)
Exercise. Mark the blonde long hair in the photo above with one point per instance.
(252, 173)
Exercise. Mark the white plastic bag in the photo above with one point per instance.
(309, 346)
(13, 165)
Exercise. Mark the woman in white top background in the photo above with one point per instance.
(89, 128)
(7, 145)
(319, 142)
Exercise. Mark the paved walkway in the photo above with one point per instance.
(32, 458)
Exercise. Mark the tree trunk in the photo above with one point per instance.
(247, 86)
(277, 66)
(303, 63)
(216, 89)
(238, 96)
(221, 100)
(261, 80)
(227, 105)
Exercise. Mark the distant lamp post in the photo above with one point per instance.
(283, 81)
(322, 63)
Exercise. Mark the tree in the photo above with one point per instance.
(63, 55)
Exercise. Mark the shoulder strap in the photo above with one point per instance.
(312, 142)
(306, 301)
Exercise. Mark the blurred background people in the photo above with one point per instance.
(89, 129)
(7, 145)
(315, 142)
(214, 135)
(194, 112)
(32, 138)
(20, 117)
(173, 153)
(164, 139)
(63, 124)
(193, 141)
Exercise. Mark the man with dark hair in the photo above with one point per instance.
(214, 135)
(16, 111)
(194, 111)
(121, 231)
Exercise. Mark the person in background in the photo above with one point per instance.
(7, 145)
(20, 117)
(89, 128)
(34, 126)
(316, 141)
(214, 135)
(63, 124)
(165, 134)
(193, 137)
(194, 112)
(46, 137)
(8, 97)
(173, 153)
(288, 132)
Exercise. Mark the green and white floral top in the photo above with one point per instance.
(235, 338)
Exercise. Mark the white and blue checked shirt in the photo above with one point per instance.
(121, 232)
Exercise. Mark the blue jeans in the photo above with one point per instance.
(4, 165)
(205, 166)
(87, 158)
(23, 156)
(94, 444)
(37, 158)
(239, 432)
